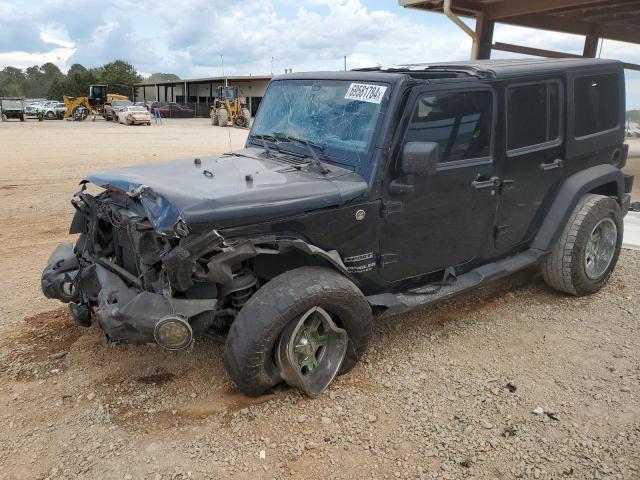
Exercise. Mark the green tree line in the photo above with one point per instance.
(47, 81)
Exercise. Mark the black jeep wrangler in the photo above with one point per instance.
(358, 194)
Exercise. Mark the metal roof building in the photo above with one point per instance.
(199, 92)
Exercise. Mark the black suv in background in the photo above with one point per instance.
(359, 194)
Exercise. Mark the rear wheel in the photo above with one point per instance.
(4, 117)
(22, 118)
(587, 251)
(303, 327)
(223, 117)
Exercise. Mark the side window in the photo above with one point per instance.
(596, 102)
(460, 122)
(533, 115)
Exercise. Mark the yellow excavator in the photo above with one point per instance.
(228, 107)
(80, 108)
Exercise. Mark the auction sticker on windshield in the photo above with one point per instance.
(365, 92)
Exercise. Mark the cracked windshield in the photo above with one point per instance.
(338, 118)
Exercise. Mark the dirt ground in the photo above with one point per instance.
(447, 391)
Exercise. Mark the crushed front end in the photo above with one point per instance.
(142, 286)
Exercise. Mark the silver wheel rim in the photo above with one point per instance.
(601, 248)
(310, 351)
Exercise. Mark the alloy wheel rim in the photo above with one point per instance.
(311, 350)
(601, 248)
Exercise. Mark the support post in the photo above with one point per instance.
(157, 93)
(590, 46)
(484, 30)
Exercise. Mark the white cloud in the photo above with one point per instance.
(305, 39)
(188, 37)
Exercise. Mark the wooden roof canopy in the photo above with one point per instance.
(594, 19)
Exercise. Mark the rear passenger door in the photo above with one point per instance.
(532, 163)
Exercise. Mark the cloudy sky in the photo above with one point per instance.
(187, 37)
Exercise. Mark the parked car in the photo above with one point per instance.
(145, 104)
(12, 108)
(359, 194)
(31, 108)
(161, 107)
(180, 111)
(112, 108)
(172, 110)
(54, 110)
(133, 115)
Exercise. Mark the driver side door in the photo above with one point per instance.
(444, 218)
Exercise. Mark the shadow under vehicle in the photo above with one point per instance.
(358, 194)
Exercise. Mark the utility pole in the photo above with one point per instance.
(226, 84)
(345, 63)
(272, 66)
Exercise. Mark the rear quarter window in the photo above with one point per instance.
(596, 104)
(533, 115)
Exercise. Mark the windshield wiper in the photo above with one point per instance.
(310, 148)
(289, 138)
(263, 143)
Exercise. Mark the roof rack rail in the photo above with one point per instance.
(471, 70)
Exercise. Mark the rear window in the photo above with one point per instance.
(533, 115)
(597, 104)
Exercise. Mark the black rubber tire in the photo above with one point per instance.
(247, 116)
(248, 352)
(50, 115)
(223, 117)
(563, 269)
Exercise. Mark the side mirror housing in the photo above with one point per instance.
(420, 158)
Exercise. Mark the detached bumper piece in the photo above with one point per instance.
(124, 311)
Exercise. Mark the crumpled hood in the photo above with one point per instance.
(229, 190)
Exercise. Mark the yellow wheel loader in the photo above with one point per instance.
(228, 107)
(80, 108)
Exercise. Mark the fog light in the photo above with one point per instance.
(173, 333)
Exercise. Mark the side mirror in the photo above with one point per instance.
(420, 158)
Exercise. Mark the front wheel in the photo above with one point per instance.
(302, 327)
(587, 251)
(247, 117)
(223, 117)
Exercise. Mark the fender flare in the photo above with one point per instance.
(220, 265)
(571, 191)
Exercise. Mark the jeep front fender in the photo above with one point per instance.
(219, 266)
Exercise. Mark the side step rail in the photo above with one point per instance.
(395, 303)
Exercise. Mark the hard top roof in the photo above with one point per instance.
(499, 68)
(469, 69)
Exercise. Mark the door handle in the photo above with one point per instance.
(557, 163)
(492, 182)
